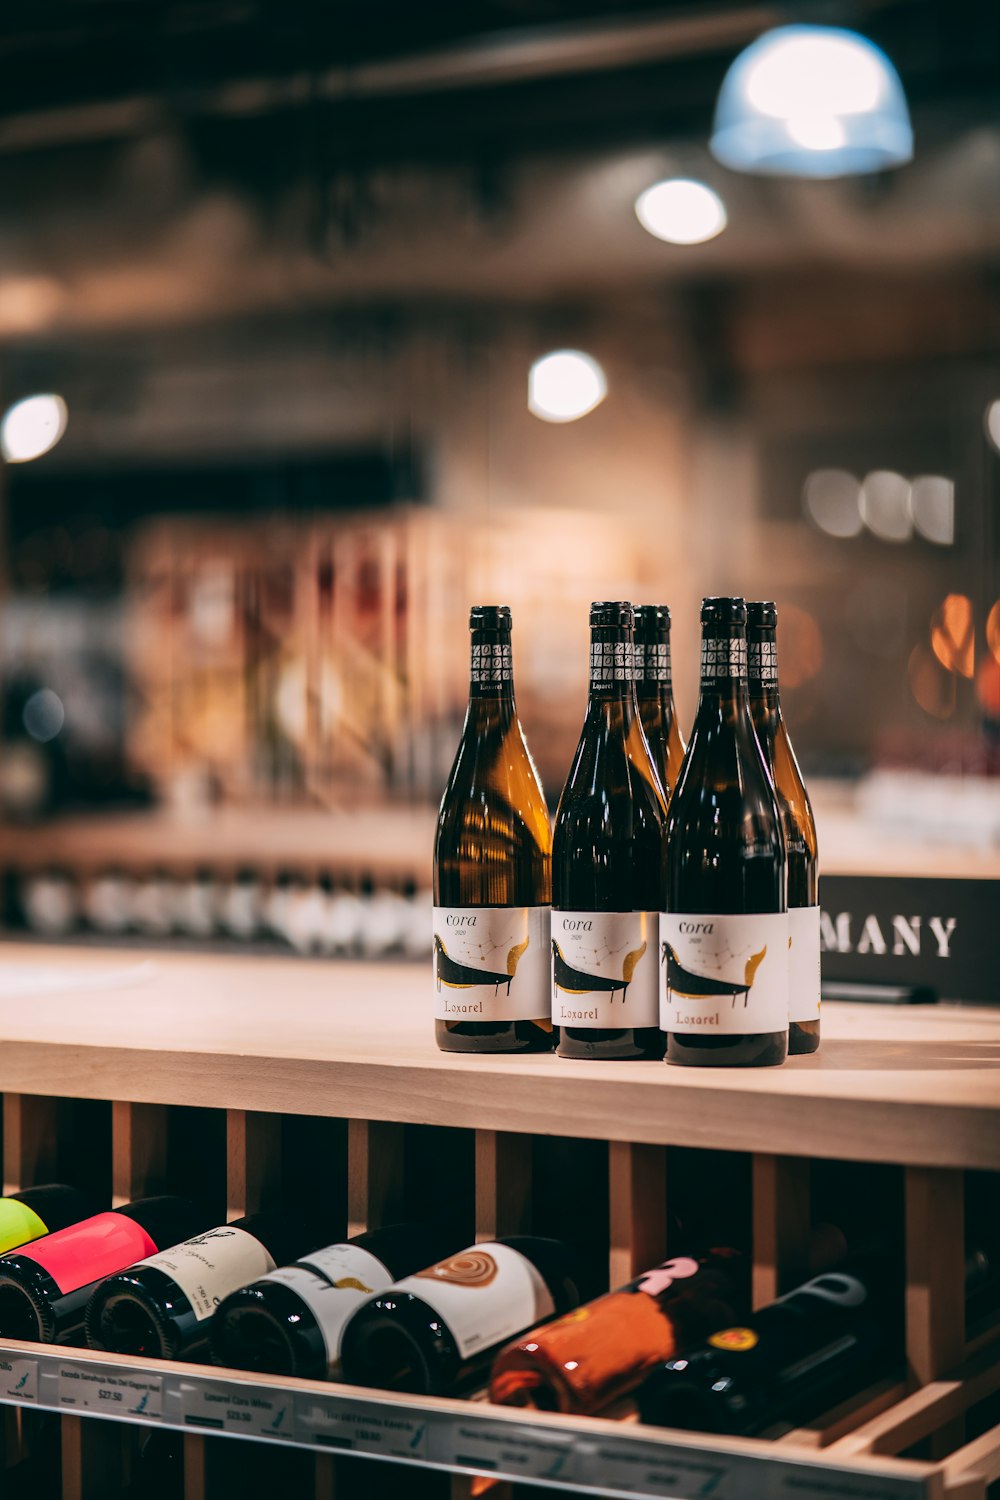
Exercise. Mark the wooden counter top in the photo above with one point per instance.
(917, 1085)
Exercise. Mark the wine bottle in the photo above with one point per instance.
(792, 1359)
(655, 692)
(585, 1361)
(45, 1288)
(434, 1332)
(724, 933)
(290, 1321)
(607, 865)
(799, 827)
(38, 1211)
(162, 1305)
(492, 869)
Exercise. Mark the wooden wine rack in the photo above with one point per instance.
(250, 1082)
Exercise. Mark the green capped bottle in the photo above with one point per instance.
(607, 865)
(492, 869)
(724, 931)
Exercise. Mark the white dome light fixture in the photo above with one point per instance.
(681, 211)
(31, 427)
(812, 101)
(565, 385)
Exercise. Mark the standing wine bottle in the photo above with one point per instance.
(583, 1362)
(38, 1211)
(607, 865)
(799, 826)
(432, 1333)
(290, 1321)
(492, 869)
(654, 691)
(724, 933)
(793, 1359)
(45, 1288)
(162, 1305)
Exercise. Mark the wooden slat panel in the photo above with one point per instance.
(138, 1151)
(841, 1420)
(927, 1410)
(981, 1458)
(503, 1184)
(781, 1225)
(31, 1140)
(253, 1162)
(92, 1459)
(375, 1167)
(935, 1271)
(637, 1209)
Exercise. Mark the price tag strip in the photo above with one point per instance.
(624, 1461)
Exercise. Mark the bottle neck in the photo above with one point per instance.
(762, 674)
(653, 678)
(612, 669)
(491, 675)
(723, 668)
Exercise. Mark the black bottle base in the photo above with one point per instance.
(494, 1036)
(622, 1044)
(803, 1037)
(759, 1050)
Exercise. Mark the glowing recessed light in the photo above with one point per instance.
(31, 427)
(812, 101)
(565, 385)
(681, 211)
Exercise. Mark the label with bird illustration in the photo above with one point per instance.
(604, 968)
(491, 963)
(333, 1283)
(724, 973)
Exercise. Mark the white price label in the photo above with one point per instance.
(85, 1388)
(504, 1448)
(386, 1430)
(652, 1470)
(18, 1379)
(226, 1408)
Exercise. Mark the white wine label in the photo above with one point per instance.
(333, 1302)
(723, 659)
(604, 968)
(491, 963)
(486, 1295)
(762, 661)
(803, 963)
(210, 1266)
(610, 662)
(724, 974)
(652, 662)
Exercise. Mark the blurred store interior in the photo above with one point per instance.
(290, 270)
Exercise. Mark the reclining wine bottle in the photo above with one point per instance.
(435, 1332)
(162, 1305)
(789, 1361)
(492, 870)
(585, 1361)
(607, 865)
(799, 826)
(45, 1286)
(724, 932)
(290, 1321)
(38, 1211)
(654, 691)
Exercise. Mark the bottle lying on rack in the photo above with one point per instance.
(724, 932)
(791, 1360)
(435, 1332)
(163, 1304)
(492, 869)
(585, 1361)
(607, 865)
(44, 1289)
(799, 828)
(38, 1211)
(290, 1321)
(654, 691)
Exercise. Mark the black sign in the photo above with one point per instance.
(926, 934)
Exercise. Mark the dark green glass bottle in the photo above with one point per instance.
(607, 865)
(654, 690)
(724, 931)
(492, 869)
(799, 825)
